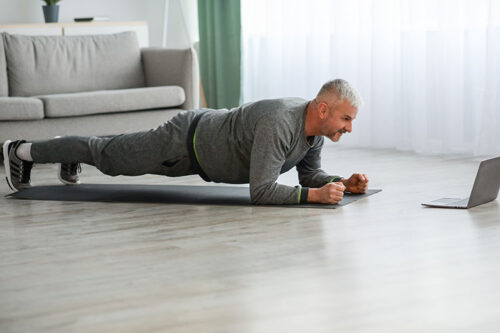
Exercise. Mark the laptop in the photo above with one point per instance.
(485, 188)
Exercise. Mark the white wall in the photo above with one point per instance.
(30, 11)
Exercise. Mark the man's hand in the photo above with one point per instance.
(330, 193)
(357, 183)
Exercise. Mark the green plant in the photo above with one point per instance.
(51, 2)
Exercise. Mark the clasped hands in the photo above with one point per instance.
(332, 193)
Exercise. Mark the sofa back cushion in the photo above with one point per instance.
(4, 91)
(41, 65)
(112, 101)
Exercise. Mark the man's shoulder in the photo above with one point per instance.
(283, 117)
(277, 108)
(281, 103)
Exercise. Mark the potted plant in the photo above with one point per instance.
(51, 11)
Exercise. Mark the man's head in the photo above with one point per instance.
(334, 109)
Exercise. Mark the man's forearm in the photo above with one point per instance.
(313, 195)
(277, 194)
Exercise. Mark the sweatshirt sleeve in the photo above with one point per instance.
(270, 144)
(309, 168)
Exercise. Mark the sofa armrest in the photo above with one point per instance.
(163, 67)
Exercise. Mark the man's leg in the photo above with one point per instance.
(67, 173)
(69, 149)
(160, 151)
(127, 154)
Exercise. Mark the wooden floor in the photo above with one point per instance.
(382, 264)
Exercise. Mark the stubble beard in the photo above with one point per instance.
(335, 137)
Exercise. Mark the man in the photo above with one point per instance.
(253, 143)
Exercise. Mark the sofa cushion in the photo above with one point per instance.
(20, 108)
(108, 101)
(4, 90)
(40, 65)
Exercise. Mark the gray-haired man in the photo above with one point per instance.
(253, 143)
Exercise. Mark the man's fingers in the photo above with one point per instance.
(366, 178)
(335, 192)
(340, 186)
(364, 187)
(362, 178)
(335, 196)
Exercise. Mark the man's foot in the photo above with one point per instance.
(68, 173)
(18, 171)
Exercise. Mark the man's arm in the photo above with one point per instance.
(325, 188)
(309, 168)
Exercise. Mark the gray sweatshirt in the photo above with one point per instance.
(255, 143)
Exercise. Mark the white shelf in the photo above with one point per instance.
(80, 28)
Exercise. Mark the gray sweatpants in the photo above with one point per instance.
(160, 151)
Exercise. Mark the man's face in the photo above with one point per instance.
(339, 120)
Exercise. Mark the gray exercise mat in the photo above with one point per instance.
(178, 194)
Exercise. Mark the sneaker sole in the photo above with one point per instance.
(6, 163)
(65, 182)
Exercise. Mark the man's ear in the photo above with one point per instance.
(323, 110)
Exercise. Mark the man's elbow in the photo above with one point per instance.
(257, 199)
(258, 196)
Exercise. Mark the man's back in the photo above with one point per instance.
(225, 138)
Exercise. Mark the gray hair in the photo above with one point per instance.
(343, 90)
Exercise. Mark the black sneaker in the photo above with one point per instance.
(68, 173)
(18, 171)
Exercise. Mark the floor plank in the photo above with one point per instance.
(384, 263)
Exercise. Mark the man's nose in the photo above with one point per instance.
(348, 127)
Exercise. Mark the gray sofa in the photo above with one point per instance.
(90, 85)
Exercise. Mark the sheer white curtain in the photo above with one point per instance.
(428, 70)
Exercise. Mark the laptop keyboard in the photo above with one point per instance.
(462, 202)
(451, 202)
